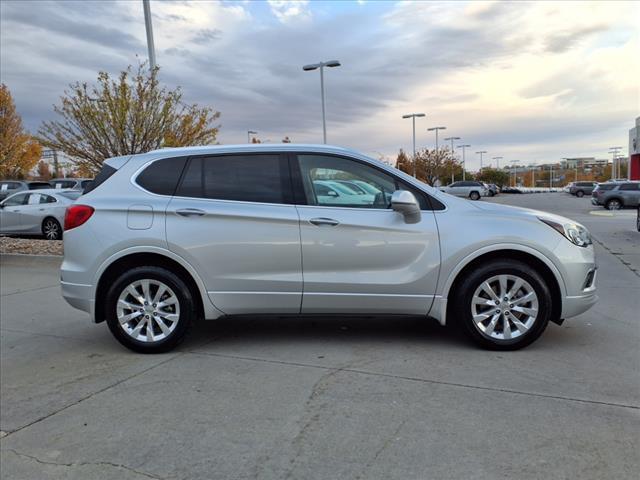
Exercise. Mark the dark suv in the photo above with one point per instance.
(580, 189)
(616, 195)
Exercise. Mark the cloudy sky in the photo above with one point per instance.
(527, 81)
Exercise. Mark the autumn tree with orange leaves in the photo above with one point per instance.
(19, 151)
(130, 114)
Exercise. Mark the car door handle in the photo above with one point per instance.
(190, 212)
(322, 221)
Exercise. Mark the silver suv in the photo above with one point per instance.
(616, 195)
(162, 239)
(467, 189)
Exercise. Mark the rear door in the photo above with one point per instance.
(234, 220)
(630, 193)
(362, 258)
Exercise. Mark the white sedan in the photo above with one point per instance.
(38, 212)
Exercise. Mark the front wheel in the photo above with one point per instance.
(502, 305)
(51, 229)
(579, 194)
(613, 204)
(149, 309)
(474, 196)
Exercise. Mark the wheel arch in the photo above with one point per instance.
(113, 267)
(527, 255)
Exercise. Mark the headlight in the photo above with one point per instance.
(573, 232)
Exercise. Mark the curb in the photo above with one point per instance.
(25, 259)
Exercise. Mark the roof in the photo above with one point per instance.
(252, 147)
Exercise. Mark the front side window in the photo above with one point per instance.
(261, 178)
(326, 179)
(34, 199)
(19, 199)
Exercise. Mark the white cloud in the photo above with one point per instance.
(290, 10)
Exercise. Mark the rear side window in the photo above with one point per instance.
(39, 185)
(162, 176)
(102, 177)
(63, 184)
(606, 186)
(629, 186)
(245, 178)
(46, 198)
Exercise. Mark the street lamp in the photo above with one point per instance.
(413, 116)
(432, 129)
(614, 151)
(249, 133)
(321, 65)
(464, 162)
(515, 172)
(481, 152)
(497, 159)
(149, 28)
(452, 139)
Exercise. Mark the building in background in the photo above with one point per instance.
(634, 151)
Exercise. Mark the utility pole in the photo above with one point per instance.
(321, 65)
(481, 152)
(497, 159)
(615, 172)
(436, 130)
(515, 172)
(149, 27)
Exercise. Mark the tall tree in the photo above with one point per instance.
(491, 175)
(129, 114)
(19, 151)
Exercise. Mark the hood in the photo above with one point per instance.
(508, 210)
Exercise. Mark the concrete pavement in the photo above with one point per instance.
(353, 398)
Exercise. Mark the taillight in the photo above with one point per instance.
(76, 215)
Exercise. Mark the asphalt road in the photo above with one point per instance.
(325, 398)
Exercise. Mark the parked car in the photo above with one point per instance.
(467, 189)
(8, 187)
(492, 189)
(206, 232)
(616, 195)
(580, 189)
(511, 190)
(70, 183)
(36, 213)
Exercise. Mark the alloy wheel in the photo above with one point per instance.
(148, 310)
(51, 230)
(504, 307)
(613, 205)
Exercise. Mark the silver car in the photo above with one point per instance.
(467, 189)
(173, 235)
(38, 212)
(70, 183)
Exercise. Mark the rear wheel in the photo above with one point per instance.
(579, 194)
(474, 196)
(51, 229)
(502, 305)
(613, 204)
(149, 309)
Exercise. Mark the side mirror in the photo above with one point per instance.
(332, 193)
(405, 202)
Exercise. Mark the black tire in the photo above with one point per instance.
(51, 229)
(461, 316)
(474, 195)
(186, 303)
(613, 204)
(579, 194)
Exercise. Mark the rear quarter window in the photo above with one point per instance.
(103, 176)
(162, 176)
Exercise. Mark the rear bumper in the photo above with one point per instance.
(78, 296)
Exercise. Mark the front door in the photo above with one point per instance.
(232, 218)
(11, 213)
(359, 256)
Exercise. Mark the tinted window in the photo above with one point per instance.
(606, 186)
(102, 177)
(47, 199)
(629, 186)
(63, 184)
(85, 183)
(162, 177)
(19, 199)
(38, 185)
(585, 184)
(245, 178)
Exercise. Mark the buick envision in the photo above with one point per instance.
(161, 239)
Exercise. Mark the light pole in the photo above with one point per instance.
(413, 116)
(149, 28)
(436, 130)
(614, 151)
(452, 139)
(550, 176)
(497, 159)
(464, 162)
(249, 133)
(321, 65)
(533, 176)
(481, 152)
(515, 172)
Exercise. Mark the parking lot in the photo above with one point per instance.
(334, 398)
